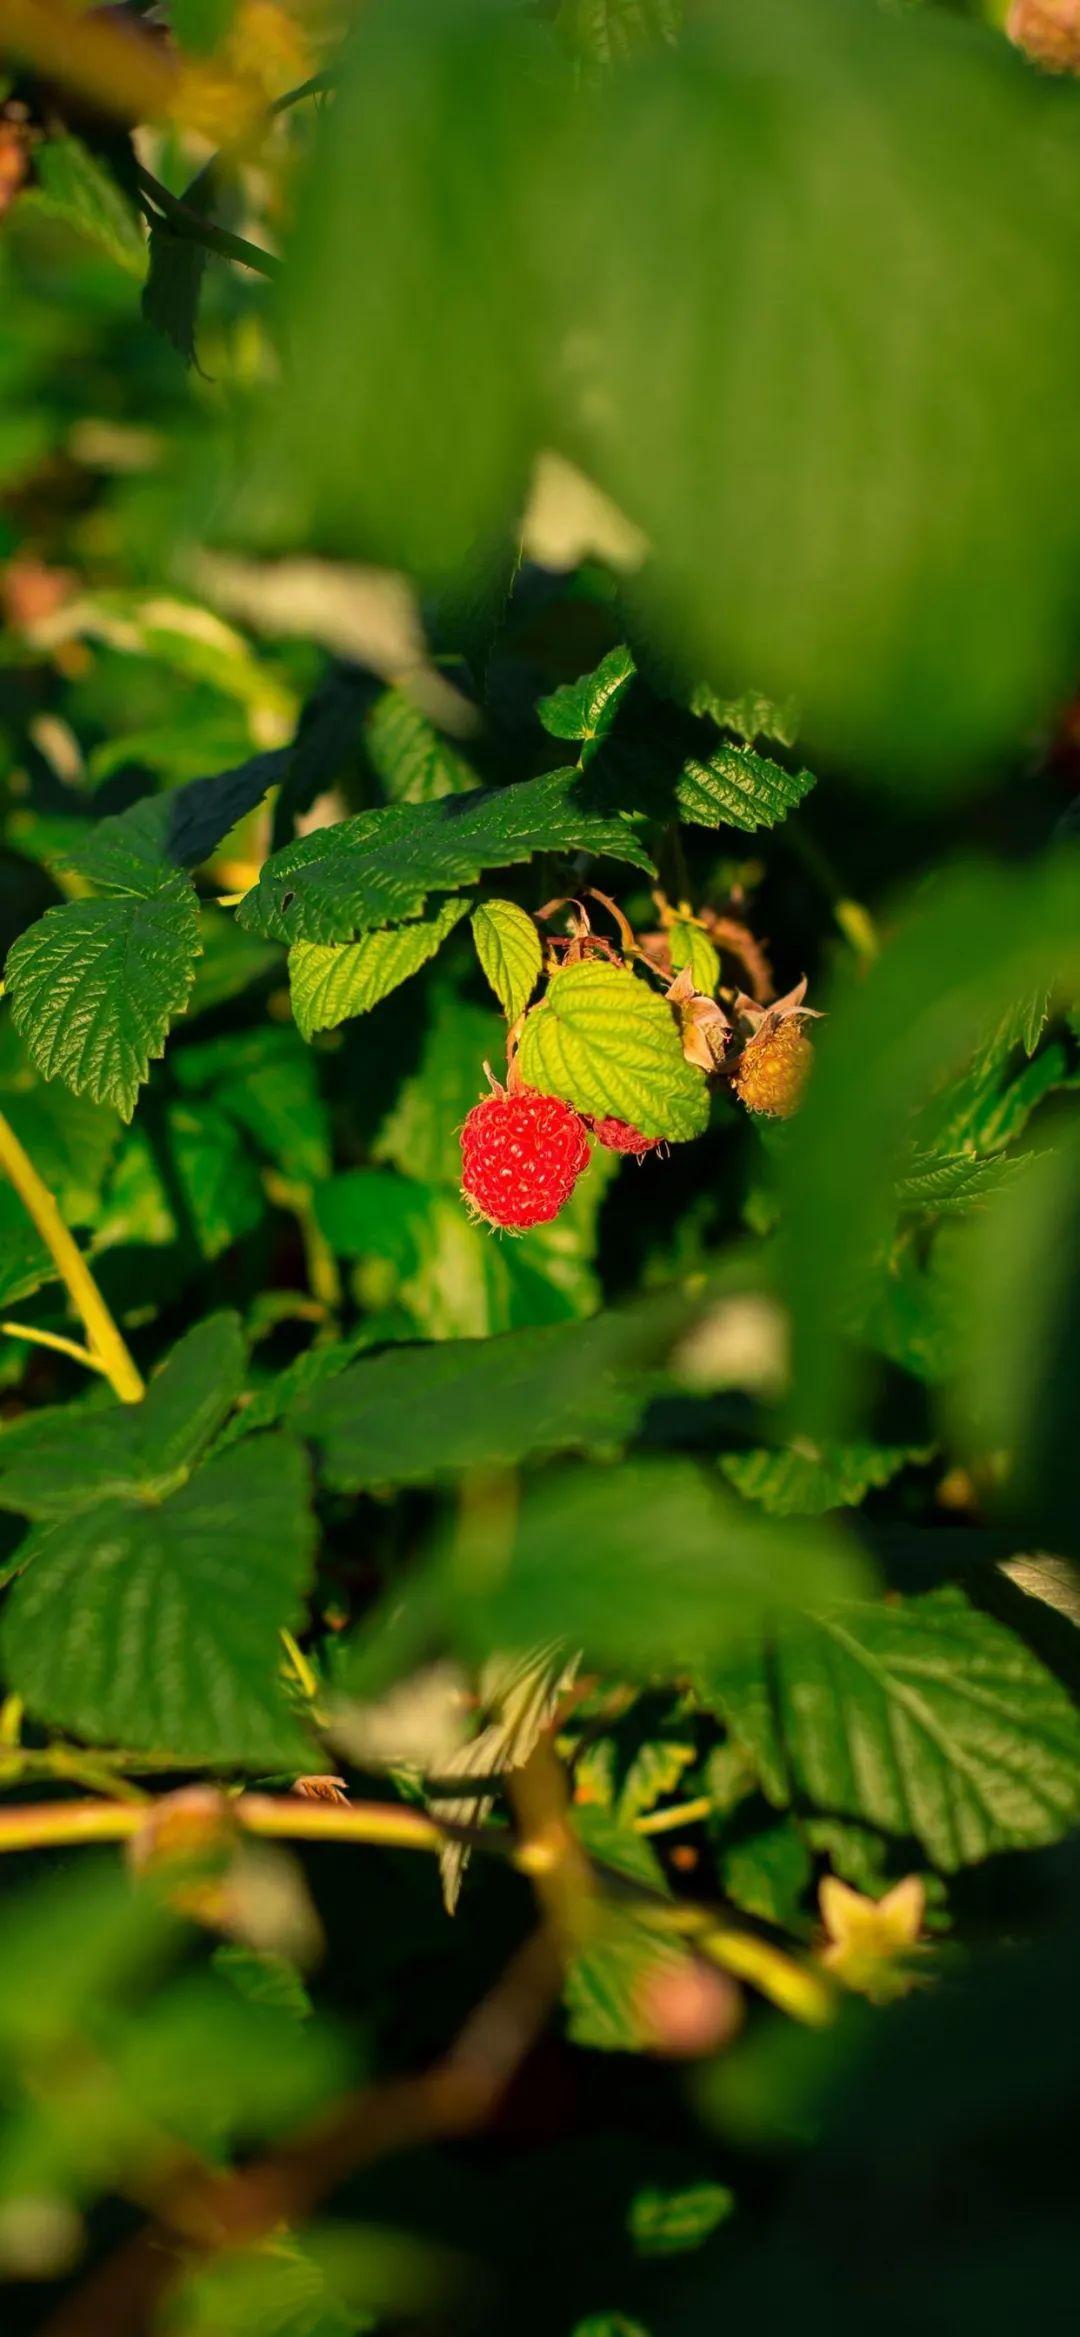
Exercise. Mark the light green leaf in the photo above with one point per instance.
(126, 1451)
(508, 947)
(806, 1481)
(749, 716)
(330, 981)
(587, 708)
(73, 183)
(608, 1044)
(926, 1718)
(95, 985)
(155, 1625)
(732, 787)
(380, 866)
(691, 947)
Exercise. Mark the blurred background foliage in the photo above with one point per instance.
(684, 395)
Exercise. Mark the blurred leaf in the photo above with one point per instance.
(70, 1140)
(73, 182)
(749, 716)
(381, 865)
(264, 1979)
(485, 1402)
(667, 2223)
(603, 32)
(925, 1717)
(981, 938)
(416, 762)
(805, 1483)
(768, 1872)
(330, 981)
(156, 1625)
(508, 947)
(266, 1081)
(605, 1042)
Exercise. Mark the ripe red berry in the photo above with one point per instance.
(619, 1136)
(521, 1156)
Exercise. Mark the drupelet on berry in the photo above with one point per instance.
(521, 1157)
(620, 1136)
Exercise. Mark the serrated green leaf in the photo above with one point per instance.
(924, 1717)
(415, 762)
(732, 787)
(134, 851)
(95, 985)
(508, 947)
(127, 1451)
(608, 1044)
(331, 981)
(587, 708)
(807, 1481)
(951, 1184)
(74, 183)
(380, 866)
(156, 1625)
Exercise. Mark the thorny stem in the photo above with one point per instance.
(106, 1346)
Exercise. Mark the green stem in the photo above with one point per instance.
(53, 1339)
(105, 1343)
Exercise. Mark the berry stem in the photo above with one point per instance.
(107, 1350)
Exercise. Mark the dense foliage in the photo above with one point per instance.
(539, 1740)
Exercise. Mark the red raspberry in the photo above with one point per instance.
(521, 1156)
(619, 1136)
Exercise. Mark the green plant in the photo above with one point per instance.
(538, 1227)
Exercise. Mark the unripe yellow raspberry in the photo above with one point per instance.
(773, 1069)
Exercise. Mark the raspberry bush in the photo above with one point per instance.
(539, 1746)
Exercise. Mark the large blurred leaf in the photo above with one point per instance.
(380, 866)
(155, 1624)
(74, 182)
(980, 939)
(925, 1717)
(807, 362)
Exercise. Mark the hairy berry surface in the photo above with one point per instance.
(773, 1070)
(521, 1157)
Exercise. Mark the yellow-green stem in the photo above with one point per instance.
(53, 1339)
(106, 1345)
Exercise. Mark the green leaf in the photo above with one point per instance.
(954, 959)
(70, 1140)
(806, 1481)
(953, 1183)
(127, 1451)
(415, 1414)
(691, 947)
(155, 1625)
(667, 2223)
(380, 866)
(508, 947)
(74, 183)
(608, 1044)
(735, 788)
(587, 708)
(95, 985)
(415, 762)
(421, 1135)
(768, 1872)
(134, 850)
(926, 1718)
(605, 32)
(749, 716)
(331, 981)
(606, 1985)
(170, 298)
(266, 1081)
